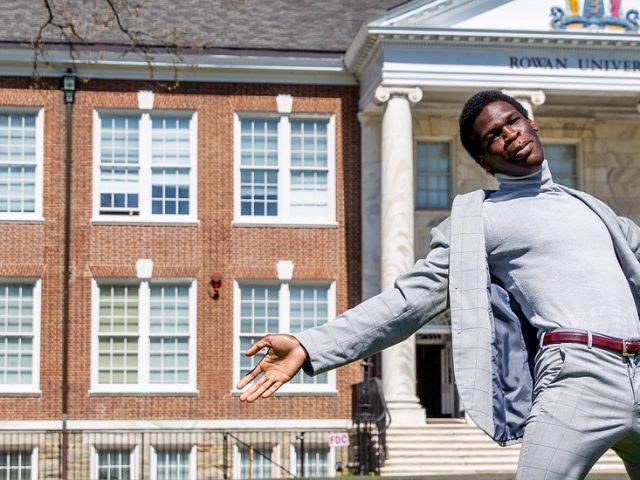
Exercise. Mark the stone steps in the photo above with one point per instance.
(458, 448)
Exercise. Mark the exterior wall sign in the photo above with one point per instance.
(594, 16)
(565, 63)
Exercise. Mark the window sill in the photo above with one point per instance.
(296, 393)
(283, 224)
(150, 222)
(20, 393)
(144, 393)
(33, 221)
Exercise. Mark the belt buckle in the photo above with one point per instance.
(625, 347)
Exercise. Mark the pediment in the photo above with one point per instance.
(516, 15)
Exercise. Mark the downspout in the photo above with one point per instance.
(68, 88)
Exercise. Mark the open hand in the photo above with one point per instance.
(284, 358)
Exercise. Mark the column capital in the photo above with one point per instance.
(528, 98)
(383, 94)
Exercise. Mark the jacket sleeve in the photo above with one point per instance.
(632, 234)
(386, 319)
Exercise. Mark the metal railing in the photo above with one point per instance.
(371, 418)
(174, 454)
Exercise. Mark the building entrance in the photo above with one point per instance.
(434, 374)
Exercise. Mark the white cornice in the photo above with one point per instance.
(243, 68)
(365, 44)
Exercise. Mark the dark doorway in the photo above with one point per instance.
(435, 384)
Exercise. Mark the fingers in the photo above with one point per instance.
(257, 346)
(265, 387)
(249, 377)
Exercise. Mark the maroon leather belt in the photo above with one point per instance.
(628, 347)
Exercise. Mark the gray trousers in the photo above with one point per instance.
(585, 402)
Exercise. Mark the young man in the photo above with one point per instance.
(543, 283)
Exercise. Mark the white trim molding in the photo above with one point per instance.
(283, 172)
(143, 336)
(284, 325)
(37, 215)
(142, 212)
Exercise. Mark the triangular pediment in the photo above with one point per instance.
(516, 15)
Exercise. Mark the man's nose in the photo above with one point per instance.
(509, 133)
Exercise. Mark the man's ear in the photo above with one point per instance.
(534, 125)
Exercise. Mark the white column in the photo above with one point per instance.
(397, 249)
(370, 138)
(527, 98)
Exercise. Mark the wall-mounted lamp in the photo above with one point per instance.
(69, 86)
(214, 286)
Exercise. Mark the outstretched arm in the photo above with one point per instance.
(284, 358)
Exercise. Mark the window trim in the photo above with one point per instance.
(284, 217)
(330, 387)
(193, 459)
(37, 215)
(293, 458)
(14, 389)
(145, 154)
(93, 466)
(24, 448)
(452, 170)
(143, 386)
(237, 460)
(579, 152)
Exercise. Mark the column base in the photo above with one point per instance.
(406, 411)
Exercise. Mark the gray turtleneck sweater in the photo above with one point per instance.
(556, 257)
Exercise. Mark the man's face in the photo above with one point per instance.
(508, 141)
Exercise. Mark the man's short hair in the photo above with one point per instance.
(472, 109)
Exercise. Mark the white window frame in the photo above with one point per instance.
(145, 157)
(452, 172)
(133, 449)
(579, 163)
(284, 217)
(293, 456)
(34, 387)
(237, 460)
(284, 326)
(36, 216)
(193, 459)
(34, 457)
(143, 385)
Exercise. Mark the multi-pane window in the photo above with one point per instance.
(118, 334)
(114, 464)
(433, 175)
(18, 335)
(16, 465)
(20, 165)
(308, 308)
(173, 464)
(316, 462)
(285, 169)
(563, 163)
(309, 168)
(169, 334)
(146, 166)
(259, 167)
(271, 308)
(145, 336)
(259, 462)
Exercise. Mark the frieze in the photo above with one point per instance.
(566, 63)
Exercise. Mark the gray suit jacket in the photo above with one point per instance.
(493, 345)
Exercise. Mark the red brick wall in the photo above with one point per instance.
(191, 251)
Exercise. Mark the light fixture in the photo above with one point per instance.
(214, 286)
(69, 86)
